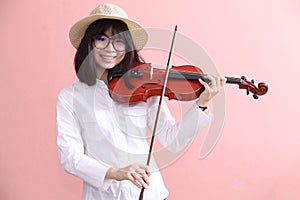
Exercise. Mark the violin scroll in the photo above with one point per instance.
(261, 88)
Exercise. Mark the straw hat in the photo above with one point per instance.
(108, 11)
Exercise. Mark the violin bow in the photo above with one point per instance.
(159, 108)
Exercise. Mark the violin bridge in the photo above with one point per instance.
(151, 72)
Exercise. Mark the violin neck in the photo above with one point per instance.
(233, 80)
(195, 77)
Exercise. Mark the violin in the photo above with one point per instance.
(143, 81)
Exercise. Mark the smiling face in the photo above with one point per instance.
(107, 57)
(109, 47)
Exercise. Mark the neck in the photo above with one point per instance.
(102, 75)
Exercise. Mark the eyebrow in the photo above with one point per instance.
(103, 34)
(113, 36)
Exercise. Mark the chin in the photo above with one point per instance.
(108, 65)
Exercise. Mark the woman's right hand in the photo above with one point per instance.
(138, 174)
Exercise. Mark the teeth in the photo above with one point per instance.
(105, 56)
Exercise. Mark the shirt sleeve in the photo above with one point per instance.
(173, 135)
(70, 145)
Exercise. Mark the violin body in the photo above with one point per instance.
(144, 81)
(147, 84)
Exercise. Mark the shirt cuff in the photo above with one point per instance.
(106, 184)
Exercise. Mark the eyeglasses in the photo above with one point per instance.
(102, 41)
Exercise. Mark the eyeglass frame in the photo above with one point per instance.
(110, 40)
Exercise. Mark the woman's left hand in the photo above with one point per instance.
(211, 89)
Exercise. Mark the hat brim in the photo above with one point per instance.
(138, 33)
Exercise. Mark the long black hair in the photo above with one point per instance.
(85, 66)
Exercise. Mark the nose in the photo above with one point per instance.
(110, 46)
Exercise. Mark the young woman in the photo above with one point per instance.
(104, 142)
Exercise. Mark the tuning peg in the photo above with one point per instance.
(252, 81)
(135, 73)
(243, 78)
(247, 91)
(255, 96)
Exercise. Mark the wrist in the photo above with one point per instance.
(202, 105)
(201, 102)
(111, 173)
(203, 108)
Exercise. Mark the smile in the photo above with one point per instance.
(108, 57)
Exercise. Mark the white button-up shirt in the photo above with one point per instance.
(95, 133)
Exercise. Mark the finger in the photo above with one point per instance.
(148, 173)
(145, 177)
(139, 180)
(204, 80)
(218, 83)
(213, 83)
(223, 80)
(133, 180)
(144, 172)
(204, 83)
(145, 169)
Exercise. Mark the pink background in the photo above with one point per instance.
(258, 155)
